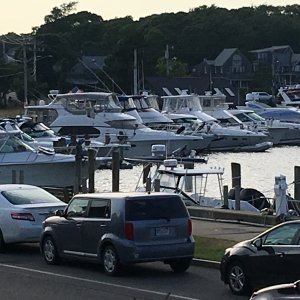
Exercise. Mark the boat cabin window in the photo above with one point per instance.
(41, 115)
(125, 124)
(79, 131)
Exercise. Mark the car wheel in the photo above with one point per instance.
(110, 260)
(2, 243)
(237, 279)
(180, 265)
(49, 251)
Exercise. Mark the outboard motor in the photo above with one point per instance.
(253, 196)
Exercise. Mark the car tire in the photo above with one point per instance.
(49, 250)
(110, 261)
(180, 265)
(238, 279)
(2, 243)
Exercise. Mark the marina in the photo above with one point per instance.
(258, 170)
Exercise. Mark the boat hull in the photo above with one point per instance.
(42, 170)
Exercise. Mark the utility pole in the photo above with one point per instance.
(135, 80)
(34, 60)
(167, 56)
(25, 72)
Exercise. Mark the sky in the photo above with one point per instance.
(20, 16)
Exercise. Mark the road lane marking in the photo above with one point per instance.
(97, 282)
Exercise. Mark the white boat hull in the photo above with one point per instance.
(40, 169)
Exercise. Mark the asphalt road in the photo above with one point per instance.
(24, 275)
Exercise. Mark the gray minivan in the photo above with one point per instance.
(118, 229)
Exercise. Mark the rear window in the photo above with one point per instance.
(29, 196)
(150, 208)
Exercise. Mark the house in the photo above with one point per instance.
(283, 62)
(228, 73)
(84, 72)
(230, 64)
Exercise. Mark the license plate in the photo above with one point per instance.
(162, 231)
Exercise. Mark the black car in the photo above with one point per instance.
(270, 258)
(280, 292)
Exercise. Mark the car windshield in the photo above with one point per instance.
(29, 196)
(169, 207)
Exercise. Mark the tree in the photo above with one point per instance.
(60, 12)
(171, 67)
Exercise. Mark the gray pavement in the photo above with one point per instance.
(233, 231)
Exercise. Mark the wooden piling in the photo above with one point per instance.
(91, 161)
(146, 171)
(115, 170)
(78, 162)
(148, 184)
(21, 177)
(13, 176)
(236, 183)
(297, 183)
(156, 185)
(225, 195)
(188, 183)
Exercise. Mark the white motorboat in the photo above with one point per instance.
(100, 116)
(283, 123)
(227, 138)
(139, 106)
(289, 96)
(192, 184)
(21, 163)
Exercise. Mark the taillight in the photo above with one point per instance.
(22, 216)
(190, 228)
(128, 230)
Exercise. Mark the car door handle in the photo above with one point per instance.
(103, 225)
(280, 254)
(78, 224)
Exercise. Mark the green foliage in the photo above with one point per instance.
(201, 33)
(211, 248)
(60, 12)
(171, 67)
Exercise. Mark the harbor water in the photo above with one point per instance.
(258, 171)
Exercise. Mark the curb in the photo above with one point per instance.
(206, 263)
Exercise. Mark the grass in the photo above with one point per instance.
(211, 248)
(9, 112)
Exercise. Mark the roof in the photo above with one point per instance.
(193, 172)
(194, 84)
(224, 56)
(124, 194)
(270, 49)
(296, 58)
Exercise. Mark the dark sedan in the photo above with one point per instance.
(270, 258)
(279, 292)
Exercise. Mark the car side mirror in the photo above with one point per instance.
(297, 285)
(59, 212)
(258, 243)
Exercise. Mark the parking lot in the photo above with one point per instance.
(24, 275)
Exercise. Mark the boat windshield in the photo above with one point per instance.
(152, 101)
(80, 103)
(39, 130)
(10, 144)
(182, 103)
(142, 103)
(212, 101)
